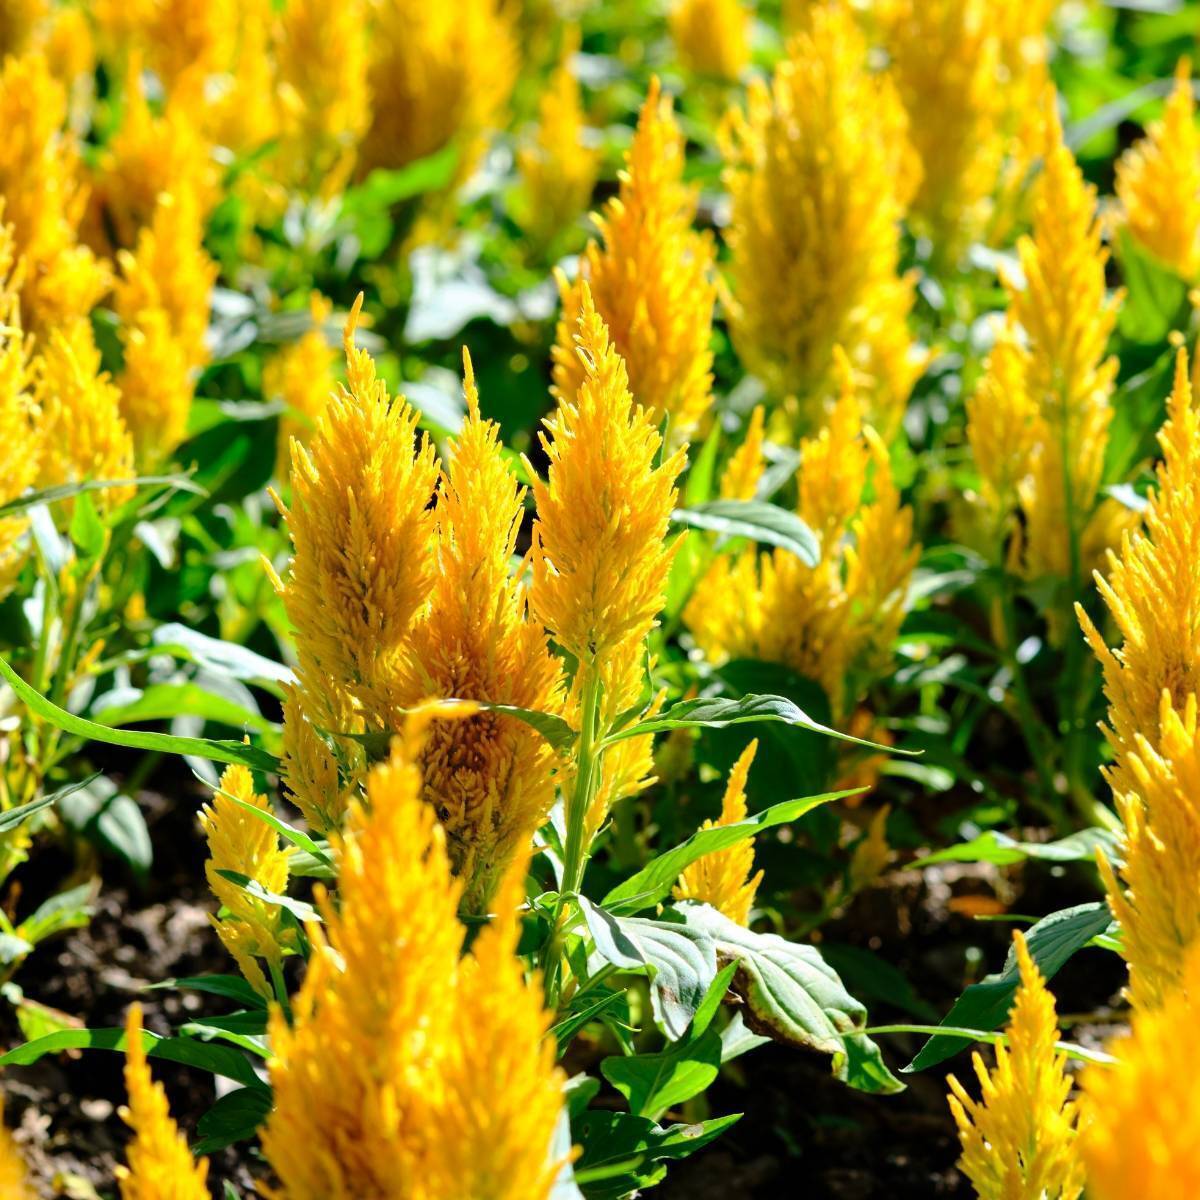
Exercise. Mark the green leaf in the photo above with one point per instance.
(681, 962)
(623, 1153)
(717, 712)
(653, 1083)
(87, 530)
(111, 819)
(300, 909)
(1154, 293)
(232, 987)
(757, 520)
(71, 909)
(13, 817)
(216, 1059)
(985, 1005)
(217, 751)
(999, 848)
(792, 995)
(234, 1118)
(225, 658)
(165, 701)
(649, 885)
(65, 491)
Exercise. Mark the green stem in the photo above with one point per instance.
(281, 992)
(575, 849)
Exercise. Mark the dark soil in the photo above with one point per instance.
(803, 1134)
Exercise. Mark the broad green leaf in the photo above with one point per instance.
(226, 658)
(165, 701)
(757, 520)
(653, 1083)
(791, 994)
(623, 1154)
(680, 961)
(649, 885)
(71, 909)
(985, 1005)
(719, 711)
(111, 819)
(999, 848)
(232, 987)
(134, 739)
(216, 1059)
(87, 529)
(233, 1118)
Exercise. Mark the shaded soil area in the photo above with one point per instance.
(802, 1133)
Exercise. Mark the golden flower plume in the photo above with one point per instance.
(650, 281)
(1019, 1138)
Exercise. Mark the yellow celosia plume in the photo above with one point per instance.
(488, 777)
(363, 561)
(1019, 1138)
(557, 167)
(834, 622)
(44, 200)
(21, 427)
(183, 40)
(156, 386)
(723, 878)
(14, 1174)
(819, 170)
(438, 74)
(302, 376)
(968, 72)
(150, 154)
(250, 927)
(1152, 681)
(84, 433)
(744, 470)
(1067, 316)
(1142, 1137)
(712, 37)
(161, 1166)
(392, 1022)
(322, 53)
(1158, 182)
(650, 281)
(600, 561)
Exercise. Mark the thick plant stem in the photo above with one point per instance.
(579, 803)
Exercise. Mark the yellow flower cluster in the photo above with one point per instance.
(163, 300)
(323, 60)
(819, 171)
(723, 877)
(712, 37)
(438, 74)
(20, 427)
(392, 1022)
(650, 280)
(14, 1175)
(969, 72)
(1038, 425)
(1152, 681)
(600, 560)
(834, 622)
(393, 602)
(44, 199)
(557, 168)
(160, 1164)
(1143, 1132)
(84, 433)
(489, 777)
(1158, 182)
(302, 377)
(1019, 1139)
(249, 927)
